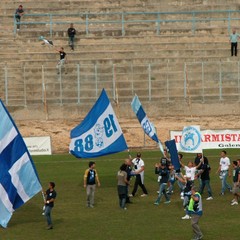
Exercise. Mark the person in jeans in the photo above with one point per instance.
(122, 184)
(18, 14)
(204, 175)
(223, 171)
(71, 34)
(163, 172)
(90, 178)
(50, 196)
(234, 42)
(61, 63)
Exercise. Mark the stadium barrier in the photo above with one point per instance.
(79, 84)
(134, 21)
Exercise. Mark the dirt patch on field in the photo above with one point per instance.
(59, 130)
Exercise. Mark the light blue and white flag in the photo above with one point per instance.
(99, 133)
(18, 177)
(191, 140)
(147, 126)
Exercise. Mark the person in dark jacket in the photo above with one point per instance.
(163, 172)
(71, 34)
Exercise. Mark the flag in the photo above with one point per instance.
(45, 41)
(99, 133)
(147, 126)
(19, 181)
(191, 140)
(171, 146)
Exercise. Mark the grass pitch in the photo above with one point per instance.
(143, 220)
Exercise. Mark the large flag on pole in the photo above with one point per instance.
(99, 133)
(191, 140)
(19, 181)
(147, 126)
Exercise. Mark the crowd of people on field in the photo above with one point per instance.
(187, 178)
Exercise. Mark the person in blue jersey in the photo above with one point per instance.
(195, 210)
(90, 179)
(50, 196)
(234, 42)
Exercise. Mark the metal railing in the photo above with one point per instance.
(127, 21)
(81, 84)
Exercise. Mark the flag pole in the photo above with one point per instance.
(161, 147)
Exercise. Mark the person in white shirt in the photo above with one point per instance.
(233, 39)
(138, 164)
(190, 170)
(223, 171)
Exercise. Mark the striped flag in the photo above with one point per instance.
(19, 181)
(147, 126)
(45, 41)
(99, 133)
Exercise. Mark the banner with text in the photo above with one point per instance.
(38, 145)
(213, 139)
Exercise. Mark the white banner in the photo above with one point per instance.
(190, 140)
(213, 139)
(38, 145)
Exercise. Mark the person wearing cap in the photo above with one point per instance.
(139, 167)
(90, 179)
(18, 14)
(195, 210)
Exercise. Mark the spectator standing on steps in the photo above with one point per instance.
(18, 14)
(62, 61)
(71, 35)
(234, 42)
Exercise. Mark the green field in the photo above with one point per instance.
(143, 220)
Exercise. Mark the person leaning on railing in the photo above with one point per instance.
(18, 14)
